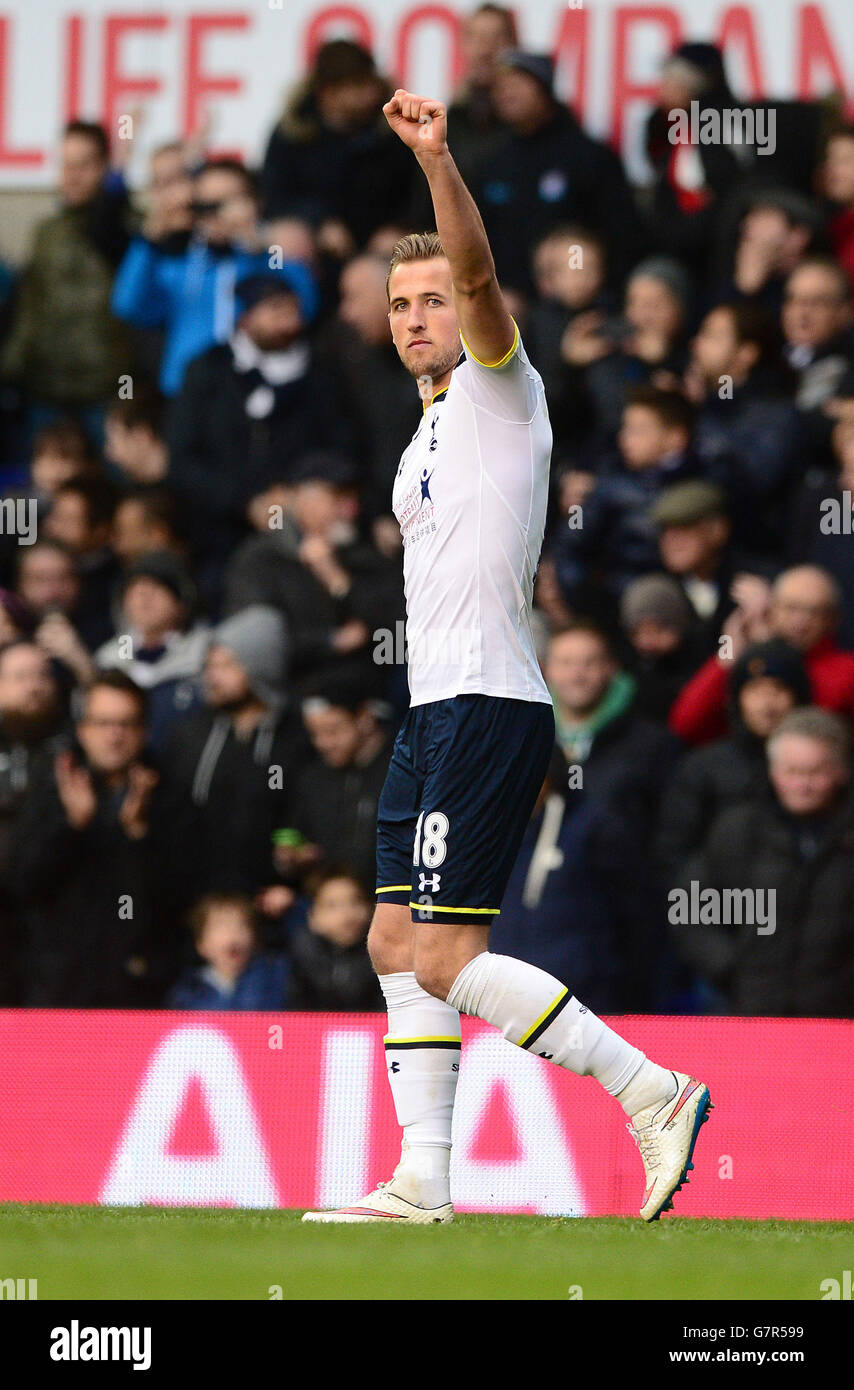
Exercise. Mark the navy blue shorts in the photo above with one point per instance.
(463, 779)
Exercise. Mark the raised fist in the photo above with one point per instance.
(421, 123)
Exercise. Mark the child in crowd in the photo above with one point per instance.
(330, 963)
(234, 974)
(613, 540)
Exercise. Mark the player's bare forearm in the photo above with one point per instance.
(485, 322)
(459, 224)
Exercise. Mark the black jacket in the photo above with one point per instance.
(559, 174)
(326, 976)
(627, 766)
(677, 231)
(706, 782)
(363, 179)
(618, 541)
(591, 913)
(336, 808)
(22, 766)
(383, 401)
(660, 678)
(225, 799)
(754, 445)
(815, 538)
(806, 966)
(98, 908)
(267, 569)
(220, 457)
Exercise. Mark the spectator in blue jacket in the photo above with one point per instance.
(189, 289)
(234, 975)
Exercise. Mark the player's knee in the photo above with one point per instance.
(434, 976)
(390, 940)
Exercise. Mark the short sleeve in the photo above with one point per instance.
(510, 388)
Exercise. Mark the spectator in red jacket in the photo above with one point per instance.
(802, 607)
(837, 177)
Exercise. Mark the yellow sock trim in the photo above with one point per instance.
(535, 1025)
(391, 1038)
(435, 907)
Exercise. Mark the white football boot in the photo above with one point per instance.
(666, 1135)
(398, 1200)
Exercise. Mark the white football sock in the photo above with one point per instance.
(422, 1051)
(535, 1011)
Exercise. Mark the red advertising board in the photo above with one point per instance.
(293, 1110)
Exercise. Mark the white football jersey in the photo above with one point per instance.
(470, 496)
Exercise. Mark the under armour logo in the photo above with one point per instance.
(395, 1066)
(428, 885)
(549, 1056)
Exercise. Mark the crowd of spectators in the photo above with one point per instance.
(201, 608)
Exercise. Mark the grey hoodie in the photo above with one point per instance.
(258, 637)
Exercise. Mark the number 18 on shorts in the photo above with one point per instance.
(463, 779)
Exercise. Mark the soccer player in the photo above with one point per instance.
(471, 755)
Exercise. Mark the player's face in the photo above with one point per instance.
(423, 319)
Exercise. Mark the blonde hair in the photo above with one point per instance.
(417, 246)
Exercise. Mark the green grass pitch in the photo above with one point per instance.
(193, 1253)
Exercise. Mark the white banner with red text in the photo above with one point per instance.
(188, 60)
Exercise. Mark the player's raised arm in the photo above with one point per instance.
(485, 324)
